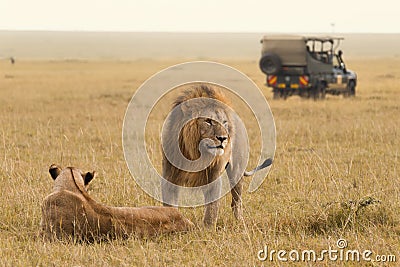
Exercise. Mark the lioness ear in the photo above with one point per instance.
(54, 171)
(87, 177)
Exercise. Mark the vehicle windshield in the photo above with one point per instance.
(320, 46)
(321, 50)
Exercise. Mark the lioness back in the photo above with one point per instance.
(72, 213)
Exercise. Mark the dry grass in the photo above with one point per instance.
(336, 172)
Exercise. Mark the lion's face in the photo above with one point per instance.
(208, 131)
(215, 131)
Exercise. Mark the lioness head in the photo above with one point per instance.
(70, 178)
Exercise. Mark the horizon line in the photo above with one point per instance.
(189, 32)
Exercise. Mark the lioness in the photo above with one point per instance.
(226, 144)
(70, 212)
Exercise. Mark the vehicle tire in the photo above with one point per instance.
(276, 94)
(322, 91)
(350, 90)
(315, 93)
(270, 63)
(284, 94)
(307, 93)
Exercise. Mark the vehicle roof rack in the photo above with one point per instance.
(301, 37)
(323, 38)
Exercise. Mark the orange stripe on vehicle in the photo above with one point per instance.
(303, 81)
(272, 80)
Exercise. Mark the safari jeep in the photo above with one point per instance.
(306, 66)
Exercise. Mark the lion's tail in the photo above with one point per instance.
(265, 164)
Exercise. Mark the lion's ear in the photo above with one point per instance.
(88, 177)
(186, 108)
(192, 109)
(54, 171)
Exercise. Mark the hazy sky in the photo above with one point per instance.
(202, 15)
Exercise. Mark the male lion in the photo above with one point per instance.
(70, 212)
(208, 118)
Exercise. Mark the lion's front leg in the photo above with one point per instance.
(236, 182)
(170, 193)
(212, 193)
(211, 214)
(236, 204)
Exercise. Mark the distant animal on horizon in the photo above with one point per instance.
(69, 212)
(227, 143)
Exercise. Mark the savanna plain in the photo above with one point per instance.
(335, 174)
